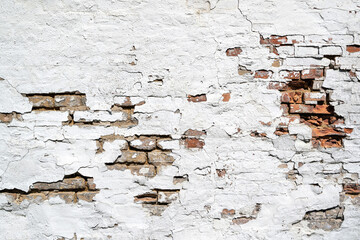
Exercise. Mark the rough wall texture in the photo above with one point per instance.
(188, 119)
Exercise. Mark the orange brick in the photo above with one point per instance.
(321, 132)
(353, 48)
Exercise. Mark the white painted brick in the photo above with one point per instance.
(304, 51)
(331, 50)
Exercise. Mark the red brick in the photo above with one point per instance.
(257, 134)
(327, 143)
(276, 40)
(291, 97)
(352, 188)
(233, 51)
(285, 109)
(314, 97)
(353, 48)
(276, 85)
(290, 74)
(221, 172)
(225, 212)
(281, 131)
(313, 73)
(197, 98)
(226, 97)
(194, 133)
(321, 132)
(302, 108)
(262, 74)
(348, 130)
(194, 143)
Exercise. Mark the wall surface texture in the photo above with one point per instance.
(187, 119)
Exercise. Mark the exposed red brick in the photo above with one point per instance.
(291, 97)
(313, 73)
(262, 74)
(273, 49)
(327, 143)
(281, 131)
(302, 108)
(226, 97)
(257, 134)
(310, 97)
(194, 133)
(353, 48)
(194, 143)
(221, 172)
(241, 220)
(265, 124)
(225, 212)
(348, 130)
(285, 109)
(274, 39)
(321, 132)
(233, 51)
(276, 85)
(197, 98)
(290, 74)
(352, 188)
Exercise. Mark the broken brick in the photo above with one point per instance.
(160, 158)
(226, 97)
(302, 108)
(353, 48)
(291, 97)
(313, 73)
(129, 156)
(143, 143)
(194, 143)
(197, 98)
(321, 132)
(262, 74)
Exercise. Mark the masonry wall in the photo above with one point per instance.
(194, 119)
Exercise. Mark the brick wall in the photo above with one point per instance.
(180, 120)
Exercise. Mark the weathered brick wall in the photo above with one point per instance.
(195, 119)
